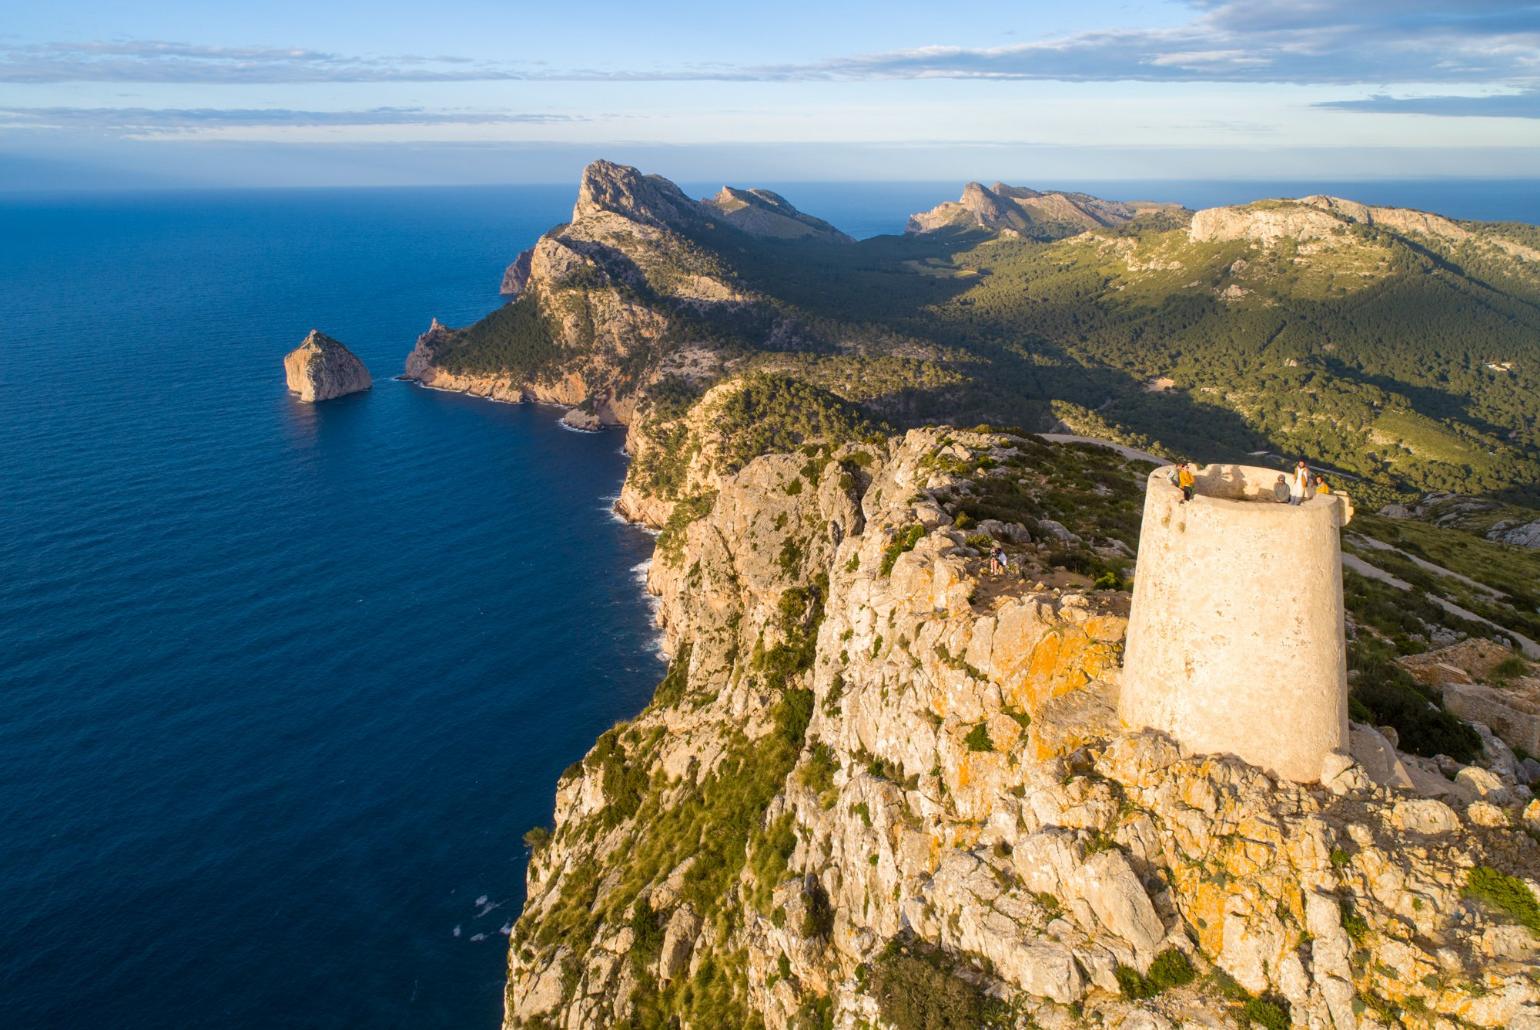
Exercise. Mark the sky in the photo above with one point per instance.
(332, 92)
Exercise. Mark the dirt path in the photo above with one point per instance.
(1363, 568)
(1423, 563)
(1131, 453)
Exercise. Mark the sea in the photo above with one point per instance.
(283, 685)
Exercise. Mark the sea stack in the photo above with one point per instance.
(321, 368)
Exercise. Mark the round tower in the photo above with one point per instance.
(1235, 641)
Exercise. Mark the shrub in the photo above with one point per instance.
(1171, 968)
(901, 544)
(978, 739)
(917, 988)
(1353, 924)
(1270, 1012)
(1392, 697)
(537, 837)
(818, 916)
(1507, 894)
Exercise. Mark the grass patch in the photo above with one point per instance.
(1507, 894)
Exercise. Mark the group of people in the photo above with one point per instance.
(1294, 488)
(1299, 486)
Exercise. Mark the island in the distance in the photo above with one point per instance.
(885, 783)
(320, 368)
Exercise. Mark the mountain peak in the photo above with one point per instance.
(765, 213)
(624, 190)
(1024, 211)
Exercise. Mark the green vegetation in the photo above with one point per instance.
(514, 339)
(978, 739)
(1506, 894)
(1384, 694)
(773, 414)
(1171, 968)
(1269, 1012)
(902, 543)
(918, 987)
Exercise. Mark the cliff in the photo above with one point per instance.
(1330, 219)
(628, 291)
(763, 213)
(320, 368)
(880, 786)
(1020, 211)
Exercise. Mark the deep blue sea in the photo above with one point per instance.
(281, 686)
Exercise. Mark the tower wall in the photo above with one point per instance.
(1235, 641)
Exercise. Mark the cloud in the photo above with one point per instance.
(166, 61)
(1344, 42)
(145, 121)
(1525, 104)
(1294, 41)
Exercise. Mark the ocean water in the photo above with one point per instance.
(281, 686)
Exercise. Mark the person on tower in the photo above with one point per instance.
(1184, 480)
(1299, 484)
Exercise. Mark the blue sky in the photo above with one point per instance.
(124, 94)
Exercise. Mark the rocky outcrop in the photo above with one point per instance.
(1328, 219)
(763, 213)
(1265, 223)
(1018, 210)
(321, 368)
(875, 772)
(1516, 534)
(516, 276)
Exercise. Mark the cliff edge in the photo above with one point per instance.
(881, 785)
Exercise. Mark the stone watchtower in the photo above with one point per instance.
(1235, 642)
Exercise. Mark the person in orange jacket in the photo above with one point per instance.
(1184, 481)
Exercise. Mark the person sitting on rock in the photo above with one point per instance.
(1184, 481)
(1320, 485)
(998, 562)
(1281, 489)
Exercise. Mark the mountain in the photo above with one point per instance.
(1020, 211)
(1395, 346)
(881, 785)
(763, 213)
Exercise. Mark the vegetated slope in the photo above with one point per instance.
(1397, 346)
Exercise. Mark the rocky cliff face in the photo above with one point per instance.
(1329, 219)
(321, 368)
(883, 787)
(763, 213)
(610, 301)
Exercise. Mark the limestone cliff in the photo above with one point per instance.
(619, 296)
(763, 213)
(1020, 211)
(1328, 220)
(880, 786)
(321, 368)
